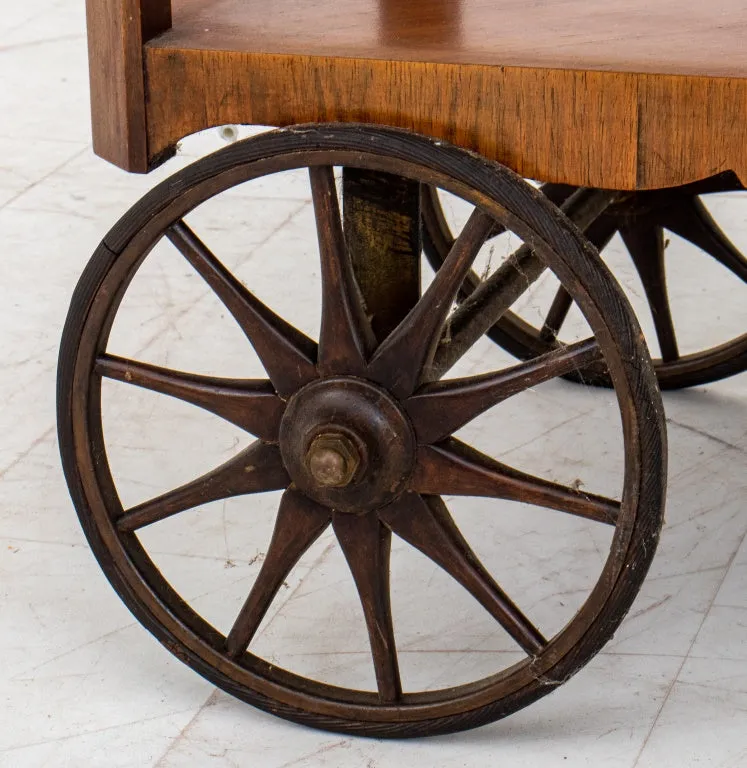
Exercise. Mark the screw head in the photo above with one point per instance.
(332, 460)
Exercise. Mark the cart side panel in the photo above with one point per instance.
(554, 125)
(117, 30)
(690, 128)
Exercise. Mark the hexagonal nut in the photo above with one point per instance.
(332, 460)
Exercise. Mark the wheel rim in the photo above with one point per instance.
(112, 530)
(641, 219)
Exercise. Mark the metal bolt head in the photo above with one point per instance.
(332, 460)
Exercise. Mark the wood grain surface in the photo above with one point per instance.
(370, 454)
(682, 37)
(117, 30)
(622, 97)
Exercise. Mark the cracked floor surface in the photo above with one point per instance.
(82, 684)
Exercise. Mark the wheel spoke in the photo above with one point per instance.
(557, 193)
(400, 360)
(601, 231)
(256, 469)
(250, 404)
(436, 226)
(300, 522)
(485, 306)
(455, 469)
(646, 247)
(690, 219)
(288, 356)
(599, 234)
(426, 524)
(366, 544)
(437, 410)
(346, 337)
(495, 295)
(556, 315)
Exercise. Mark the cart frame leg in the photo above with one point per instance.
(381, 214)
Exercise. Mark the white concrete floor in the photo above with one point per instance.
(82, 684)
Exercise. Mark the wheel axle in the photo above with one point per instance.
(332, 460)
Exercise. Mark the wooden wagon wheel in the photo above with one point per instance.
(357, 435)
(641, 219)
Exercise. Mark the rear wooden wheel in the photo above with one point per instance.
(642, 219)
(357, 430)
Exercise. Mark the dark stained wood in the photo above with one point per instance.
(300, 522)
(556, 315)
(382, 230)
(352, 411)
(599, 232)
(646, 247)
(351, 417)
(288, 356)
(250, 404)
(382, 233)
(117, 30)
(256, 469)
(486, 305)
(367, 544)
(404, 355)
(641, 216)
(690, 219)
(492, 297)
(345, 338)
(425, 523)
(681, 211)
(452, 468)
(437, 410)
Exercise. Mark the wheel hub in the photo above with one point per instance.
(346, 443)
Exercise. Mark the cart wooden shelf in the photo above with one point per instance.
(628, 115)
(624, 97)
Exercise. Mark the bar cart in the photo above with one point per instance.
(628, 114)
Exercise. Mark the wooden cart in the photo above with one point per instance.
(627, 112)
